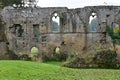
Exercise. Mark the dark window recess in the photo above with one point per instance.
(43, 38)
(107, 15)
(36, 30)
(17, 30)
(20, 31)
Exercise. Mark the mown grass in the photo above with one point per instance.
(25, 70)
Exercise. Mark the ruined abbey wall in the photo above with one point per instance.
(74, 33)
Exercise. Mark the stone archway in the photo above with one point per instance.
(34, 50)
(93, 22)
(93, 32)
(55, 22)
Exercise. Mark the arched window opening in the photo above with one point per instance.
(116, 29)
(93, 22)
(57, 50)
(35, 52)
(55, 22)
(92, 37)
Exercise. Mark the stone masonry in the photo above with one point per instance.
(73, 34)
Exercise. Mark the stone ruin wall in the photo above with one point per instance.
(74, 34)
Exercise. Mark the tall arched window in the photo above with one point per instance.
(55, 22)
(93, 22)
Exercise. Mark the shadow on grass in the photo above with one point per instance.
(56, 63)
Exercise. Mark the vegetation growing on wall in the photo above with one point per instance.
(63, 18)
(115, 37)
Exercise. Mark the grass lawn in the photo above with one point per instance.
(25, 70)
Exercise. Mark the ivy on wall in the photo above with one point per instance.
(63, 18)
(115, 37)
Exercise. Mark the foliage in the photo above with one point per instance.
(106, 59)
(55, 57)
(61, 57)
(63, 18)
(1, 5)
(115, 37)
(45, 58)
(10, 2)
(75, 62)
(100, 59)
(24, 57)
(116, 30)
(18, 3)
(25, 70)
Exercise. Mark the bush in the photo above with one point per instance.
(106, 59)
(54, 57)
(101, 59)
(45, 58)
(61, 57)
(25, 57)
(75, 62)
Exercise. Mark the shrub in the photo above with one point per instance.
(101, 59)
(75, 62)
(45, 58)
(61, 56)
(25, 57)
(106, 59)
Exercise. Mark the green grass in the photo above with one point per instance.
(25, 70)
(55, 63)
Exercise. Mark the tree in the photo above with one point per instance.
(10, 2)
(18, 3)
(115, 38)
(1, 4)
